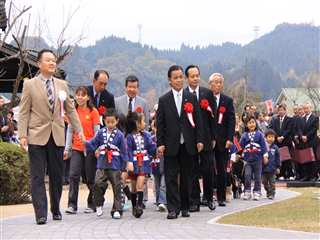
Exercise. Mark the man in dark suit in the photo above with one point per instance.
(225, 128)
(282, 125)
(97, 91)
(203, 162)
(179, 139)
(309, 139)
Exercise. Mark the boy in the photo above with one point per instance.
(111, 145)
(271, 167)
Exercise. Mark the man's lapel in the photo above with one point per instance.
(172, 105)
(41, 89)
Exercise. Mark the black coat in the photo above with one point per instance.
(170, 125)
(225, 130)
(206, 117)
(310, 130)
(285, 130)
(106, 98)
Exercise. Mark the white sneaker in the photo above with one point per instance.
(162, 207)
(99, 211)
(116, 215)
(71, 210)
(291, 178)
(281, 178)
(256, 196)
(247, 196)
(88, 210)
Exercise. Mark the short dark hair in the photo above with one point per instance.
(174, 68)
(250, 117)
(132, 119)
(270, 131)
(189, 67)
(111, 112)
(84, 90)
(132, 79)
(98, 72)
(42, 51)
(282, 105)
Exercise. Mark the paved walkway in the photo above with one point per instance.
(152, 225)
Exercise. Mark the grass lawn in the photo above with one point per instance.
(301, 213)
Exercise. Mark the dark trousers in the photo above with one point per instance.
(66, 171)
(287, 169)
(252, 170)
(49, 156)
(269, 183)
(221, 159)
(178, 167)
(78, 162)
(114, 177)
(203, 167)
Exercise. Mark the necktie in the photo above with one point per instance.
(178, 103)
(49, 89)
(281, 121)
(130, 105)
(195, 93)
(96, 100)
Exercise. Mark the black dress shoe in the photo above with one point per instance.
(185, 213)
(172, 215)
(57, 217)
(211, 205)
(194, 208)
(222, 203)
(41, 220)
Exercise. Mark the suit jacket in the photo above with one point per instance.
(122, 106)
(170, 125)
(310, 130)
(36, 121)
(226, 129)
(206, 118)
(106, 98)
(285, 130)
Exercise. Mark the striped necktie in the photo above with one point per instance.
(49, 89)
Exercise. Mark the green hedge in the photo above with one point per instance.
(14, 175)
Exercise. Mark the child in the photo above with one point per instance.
(112, 153)
(157, 172)
(82, 160)
(272, 167)
(254, 150)
(140, 147)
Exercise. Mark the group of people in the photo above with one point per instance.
(190, 135)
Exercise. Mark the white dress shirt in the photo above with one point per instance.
(197, 91)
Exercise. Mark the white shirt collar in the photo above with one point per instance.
(175, 92)
(197, 90)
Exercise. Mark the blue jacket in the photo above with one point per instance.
(117, 147)
(274, 160)
(253, 145)
(149, 150)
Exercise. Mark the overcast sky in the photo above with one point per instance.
(168, 23)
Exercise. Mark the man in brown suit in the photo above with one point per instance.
(44, 101)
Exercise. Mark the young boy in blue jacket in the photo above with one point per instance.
(272, 166)
(111, 144)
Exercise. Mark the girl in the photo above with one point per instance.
(80, 159)
(254, 151)
(140, 147)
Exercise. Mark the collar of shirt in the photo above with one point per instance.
(217, 98)
(308, 116)
(45, 79)
(94, 92)
(197, 91)
(133, 101)
(175, 92)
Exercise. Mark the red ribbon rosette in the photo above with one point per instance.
(204, 104)
(188, 108)
(109, 156)
(139, 109)
(102, 110)
(139, 157)
(222, 110)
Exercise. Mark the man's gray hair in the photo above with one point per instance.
(213, 75)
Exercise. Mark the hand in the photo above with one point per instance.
(24, 143)
(161, 150)
(277, 171)
(280, 139)
(214, 142)
(228, 144)
(265, 160)
(4, 128)
(82, 137)
(65, 155)
(200, 147)
(304, 138)
(130, 166)
(97, 153)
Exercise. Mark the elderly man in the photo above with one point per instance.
(224, 129)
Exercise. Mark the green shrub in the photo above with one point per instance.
(14, 175)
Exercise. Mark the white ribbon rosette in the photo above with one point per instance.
(62, 98)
